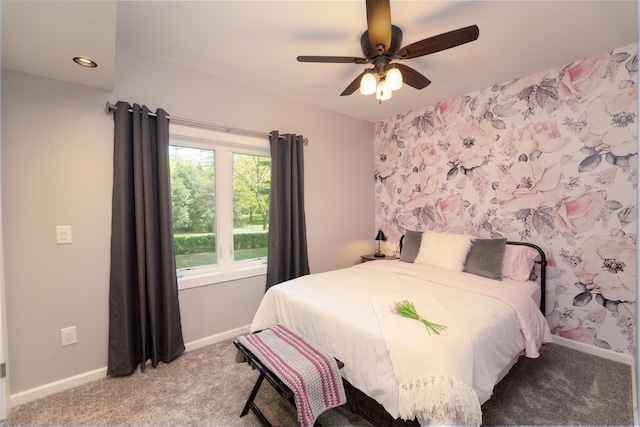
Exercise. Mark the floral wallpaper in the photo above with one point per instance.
(550, 159)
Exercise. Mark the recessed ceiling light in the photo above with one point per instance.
(85, 62)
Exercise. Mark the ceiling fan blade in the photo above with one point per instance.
(413, 78)
(379, 23)
(441, 42)
(355, 84)
(332, 59)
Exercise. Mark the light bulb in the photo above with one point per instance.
(85, 62)
(383, 93)
(394, 79)
(368, 84)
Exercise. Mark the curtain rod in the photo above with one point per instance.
(111, 108)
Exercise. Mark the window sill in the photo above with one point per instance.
(210, 278)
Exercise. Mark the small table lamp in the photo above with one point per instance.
(380, 237)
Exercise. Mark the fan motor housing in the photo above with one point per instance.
(371, 52)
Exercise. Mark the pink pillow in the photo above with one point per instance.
(517, 262)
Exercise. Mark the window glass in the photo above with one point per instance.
(251, 185)
(220, 186)
(193, 201)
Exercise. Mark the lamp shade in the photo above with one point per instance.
(381, 236)
(382, 92)
(368, 84)
(394, 79)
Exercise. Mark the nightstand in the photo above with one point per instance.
(372, 257)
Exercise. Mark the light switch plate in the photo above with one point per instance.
(63, 234)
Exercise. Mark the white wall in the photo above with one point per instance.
(57, 158)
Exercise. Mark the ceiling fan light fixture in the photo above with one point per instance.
(381, 44)
(393, 78)
(383, 92)
(368, 84)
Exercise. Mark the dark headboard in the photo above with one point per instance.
(543, 268)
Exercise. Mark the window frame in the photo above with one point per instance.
(224, 144)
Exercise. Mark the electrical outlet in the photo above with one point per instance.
(69, 336)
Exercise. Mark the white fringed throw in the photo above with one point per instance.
(434, 372)
(309, 372)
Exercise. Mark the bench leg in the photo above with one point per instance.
(265, 422)
(252, 396)
(251, 405)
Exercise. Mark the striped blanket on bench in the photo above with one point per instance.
(310, 372)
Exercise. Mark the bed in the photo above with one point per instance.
(482, 290)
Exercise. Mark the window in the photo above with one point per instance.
(220, 186)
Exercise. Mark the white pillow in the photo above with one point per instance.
(442, 250)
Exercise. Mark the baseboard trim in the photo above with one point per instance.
(203, 342)
(76, 380)
(56, 386)
(593, 350)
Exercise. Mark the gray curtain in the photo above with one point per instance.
(144, 314)
(287, 228)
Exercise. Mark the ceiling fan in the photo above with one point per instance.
(381, 47)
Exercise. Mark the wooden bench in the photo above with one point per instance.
(266, 373)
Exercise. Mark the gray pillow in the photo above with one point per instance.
(410, 245)
(485, 258)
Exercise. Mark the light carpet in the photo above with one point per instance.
(206, 387)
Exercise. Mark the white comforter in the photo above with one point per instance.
(334, 310)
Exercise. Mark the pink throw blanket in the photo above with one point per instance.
(310, 372)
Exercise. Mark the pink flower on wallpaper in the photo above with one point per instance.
(448, 111)
(579, 212)
(470, 145)
(448, 210)
(612, 122)
(608, 263)
(529, 185)
(387, 155)
(424, 155)
(583, 77)
(580, 333)
(417, 190)
(541, 136)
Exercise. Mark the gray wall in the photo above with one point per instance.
(57, 148)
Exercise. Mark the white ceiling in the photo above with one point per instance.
(256, 42)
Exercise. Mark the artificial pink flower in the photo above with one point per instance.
(407, 309)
